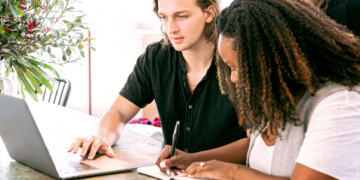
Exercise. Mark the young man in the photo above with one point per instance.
(180, 74)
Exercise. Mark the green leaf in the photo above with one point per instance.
(47, 66)
(35, 84)
(68, 51)
(49, 50)
(92, 48)
(88, 39)
(40, 74)
(82, 53)
(57, 33)
(43, 77)
(19, 38)
(78, 18)
(81, 46)
(22, 89)
(64, 55)
(28, 87)
(13, 10)
(2, 30)
(42, 39)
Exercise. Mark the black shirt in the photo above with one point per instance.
(346, 12)
(207, 118)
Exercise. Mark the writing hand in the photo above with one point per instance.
(179, 161)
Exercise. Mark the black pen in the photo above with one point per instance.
(174, 140)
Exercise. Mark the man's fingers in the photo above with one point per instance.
(71, 147)
(86, 144)
(109, 152)
(77, 144)
(94, 148)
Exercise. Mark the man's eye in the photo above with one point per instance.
(162, 18)
(182, 17)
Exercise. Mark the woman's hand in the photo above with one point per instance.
(211, 169)
(180, 161)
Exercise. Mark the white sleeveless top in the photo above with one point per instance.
(261, 156)
(331, 144)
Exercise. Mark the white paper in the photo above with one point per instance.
(155, 172)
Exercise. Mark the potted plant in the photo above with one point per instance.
(36, 36)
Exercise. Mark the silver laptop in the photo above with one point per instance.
(25, 144)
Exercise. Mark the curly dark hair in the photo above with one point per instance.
(282, 47)
(210, 30)
(322, 4)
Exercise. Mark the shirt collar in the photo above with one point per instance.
(210, 71)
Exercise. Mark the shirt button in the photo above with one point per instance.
(186, 150)
(190, 106)
(188, 129)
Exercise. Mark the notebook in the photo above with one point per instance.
(25, 144)
(154, 171)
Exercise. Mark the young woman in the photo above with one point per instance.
(292, 74)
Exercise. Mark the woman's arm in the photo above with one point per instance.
(222, 170)
(234, 152)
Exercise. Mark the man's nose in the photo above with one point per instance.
(172, 26)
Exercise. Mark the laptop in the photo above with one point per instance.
(25, 144)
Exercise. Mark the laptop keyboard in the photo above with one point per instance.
(68, 166)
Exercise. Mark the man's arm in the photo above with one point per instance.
(110, 127)
(115, 118)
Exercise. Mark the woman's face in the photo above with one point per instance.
(229, 55)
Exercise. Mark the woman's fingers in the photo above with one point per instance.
(164, 155)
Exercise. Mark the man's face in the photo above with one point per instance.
(184, 22)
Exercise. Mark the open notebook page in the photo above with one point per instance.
(155, 172)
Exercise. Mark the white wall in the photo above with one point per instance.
(118, 29)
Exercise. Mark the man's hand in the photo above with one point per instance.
(93, 144)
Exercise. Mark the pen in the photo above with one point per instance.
(174, 139)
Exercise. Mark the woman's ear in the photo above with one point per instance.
(210, 13)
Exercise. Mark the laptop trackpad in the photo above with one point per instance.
(105, 162)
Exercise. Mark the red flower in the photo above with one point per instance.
(22, 7)
(26, 40)
(31, 25)
(7, 29)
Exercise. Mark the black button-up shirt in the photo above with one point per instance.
(207, 118)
